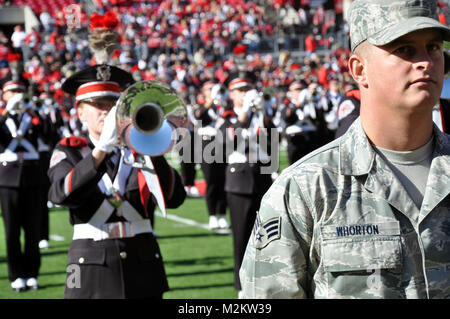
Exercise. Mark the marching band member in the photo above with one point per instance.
(20, 178)
(244, 182)
(114, 252)
(212, 115)
(300, 129)
(109, 204)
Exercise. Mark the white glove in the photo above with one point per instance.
(215, 91)
(109, 137)
(14, 102)
(250, 99)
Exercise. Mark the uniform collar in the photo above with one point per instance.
(442, 142)
(438, 183)
(357, 158)
(356, 155)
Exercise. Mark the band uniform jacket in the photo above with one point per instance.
(22, 172)
(304, 138)
(244, 177)
(110, 268)
(213, 126)
(339, 224)
(348, 111)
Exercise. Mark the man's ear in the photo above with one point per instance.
(357, 67)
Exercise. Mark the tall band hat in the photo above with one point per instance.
(296, 85)
(101, 81)
(14, 84)
(208, 84)
(240, 79)
(382, 21)
(98, 81)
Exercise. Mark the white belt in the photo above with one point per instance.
(10, 156)
(236, 157)
(296, 129)
(207, 130)
(112, 230)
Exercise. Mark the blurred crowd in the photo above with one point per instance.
(179, 40)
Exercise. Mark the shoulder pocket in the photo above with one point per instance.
(353, 248)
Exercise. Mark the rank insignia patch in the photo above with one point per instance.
(264, 233)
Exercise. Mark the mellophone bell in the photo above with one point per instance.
(148, 116)
(114, 252)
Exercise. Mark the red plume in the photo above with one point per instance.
(107, 21)
(96, 21)
(110, 20)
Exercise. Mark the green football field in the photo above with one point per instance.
(198, 261)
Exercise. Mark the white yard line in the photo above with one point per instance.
(56, 237)
(191, 222)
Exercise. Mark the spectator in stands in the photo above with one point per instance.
(310, 43)
(18, 38)
(47, 20)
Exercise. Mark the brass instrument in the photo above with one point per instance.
(262, 101)
(25, 104)
(149, 116)
(269, 98)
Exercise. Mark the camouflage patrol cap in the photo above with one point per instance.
(383, 21)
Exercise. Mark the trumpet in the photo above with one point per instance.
(269, 98)
(261, 101)
(148, 116)
(22, 103)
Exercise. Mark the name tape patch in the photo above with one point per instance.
(369, 229)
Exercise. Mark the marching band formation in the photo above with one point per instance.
(234, 117)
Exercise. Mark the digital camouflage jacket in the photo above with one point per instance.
(339, 224)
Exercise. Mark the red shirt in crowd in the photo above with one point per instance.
(310, 43)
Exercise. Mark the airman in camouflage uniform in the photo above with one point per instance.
(340, 223)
